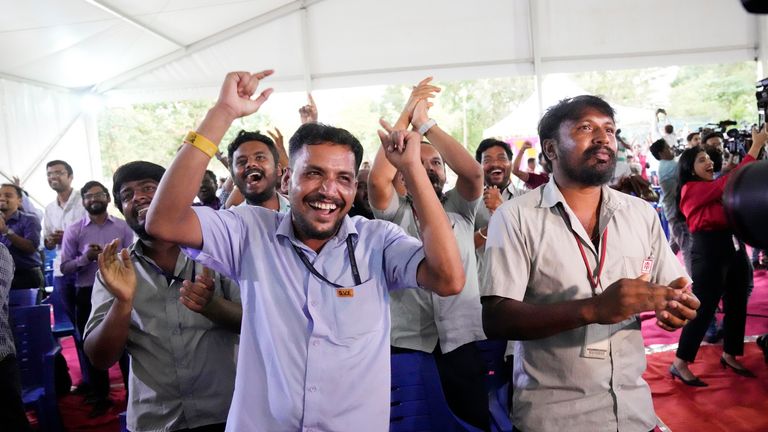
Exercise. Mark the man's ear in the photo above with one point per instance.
(548, 147)
(286, 180)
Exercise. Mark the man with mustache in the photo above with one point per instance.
(361, 206)
(178, 321)
(578, 350)
(255, 168)
(495, 157)
(82, 243)
(314, 348)
(207, 192)
(422, 321)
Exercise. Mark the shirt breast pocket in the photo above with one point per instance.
(358, 311)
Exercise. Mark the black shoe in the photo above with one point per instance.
(100, 408)
(695, 382)
(739, 370)
(82, 389)
(762, 343)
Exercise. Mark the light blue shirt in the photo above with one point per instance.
(311, 358)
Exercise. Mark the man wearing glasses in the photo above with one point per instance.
(82, 242)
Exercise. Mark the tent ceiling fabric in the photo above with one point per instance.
(142, 48)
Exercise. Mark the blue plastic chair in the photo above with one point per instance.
(417, 400)
(35, 353)
(63, 327)
(497, 382)
(23, 297)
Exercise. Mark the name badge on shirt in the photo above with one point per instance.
(345, 292)
(647, 266)
(597, 343)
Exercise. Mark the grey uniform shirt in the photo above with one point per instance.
(532, 256)
(182, 364)
(420, 317)
(483, 216)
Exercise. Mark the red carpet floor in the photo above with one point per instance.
(74, 412)
(731, 402)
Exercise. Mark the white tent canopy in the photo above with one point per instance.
(53, 51)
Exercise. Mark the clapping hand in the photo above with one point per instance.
(117, 272)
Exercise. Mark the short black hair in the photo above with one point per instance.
(669, 128)
(570, 109)
(18, 189)
(89, 185)
(489, 143)
(685, 173)
(531, 160)
(133, 171)
(316, 133)
(690, 136)
(657, 147)
(211, 175)
(709, 135)
(245, 136)
(67, 166)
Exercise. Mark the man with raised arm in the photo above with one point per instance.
(314, 347)
(421, 321)
(569, 266)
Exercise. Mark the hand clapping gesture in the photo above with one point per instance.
(198, 294)
(117, 272)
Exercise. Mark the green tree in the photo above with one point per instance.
(710, 93)
(626, 87)
(481, 102)
(154, 131)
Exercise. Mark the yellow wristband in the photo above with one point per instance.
(201, 143)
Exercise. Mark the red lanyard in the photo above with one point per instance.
(593, 281)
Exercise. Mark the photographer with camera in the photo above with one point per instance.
(720, 267)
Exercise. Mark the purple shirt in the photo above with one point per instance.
(311, 357)
(25, 225)
(84, 232)
(216, 204)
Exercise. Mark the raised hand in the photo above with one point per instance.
(277, 137)
(492, 198)
(401, 147)
(198, 294)
(526, 145)
(422, 91)
(760, 136)
(117, 272)
(236, 95)
(308, 112)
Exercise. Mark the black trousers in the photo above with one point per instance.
(28, 278)
(98, 378)
(462, 375)
(12, 414)
(718, 271)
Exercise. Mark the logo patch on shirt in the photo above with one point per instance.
(345, 292)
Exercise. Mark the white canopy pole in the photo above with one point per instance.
(533, 28)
